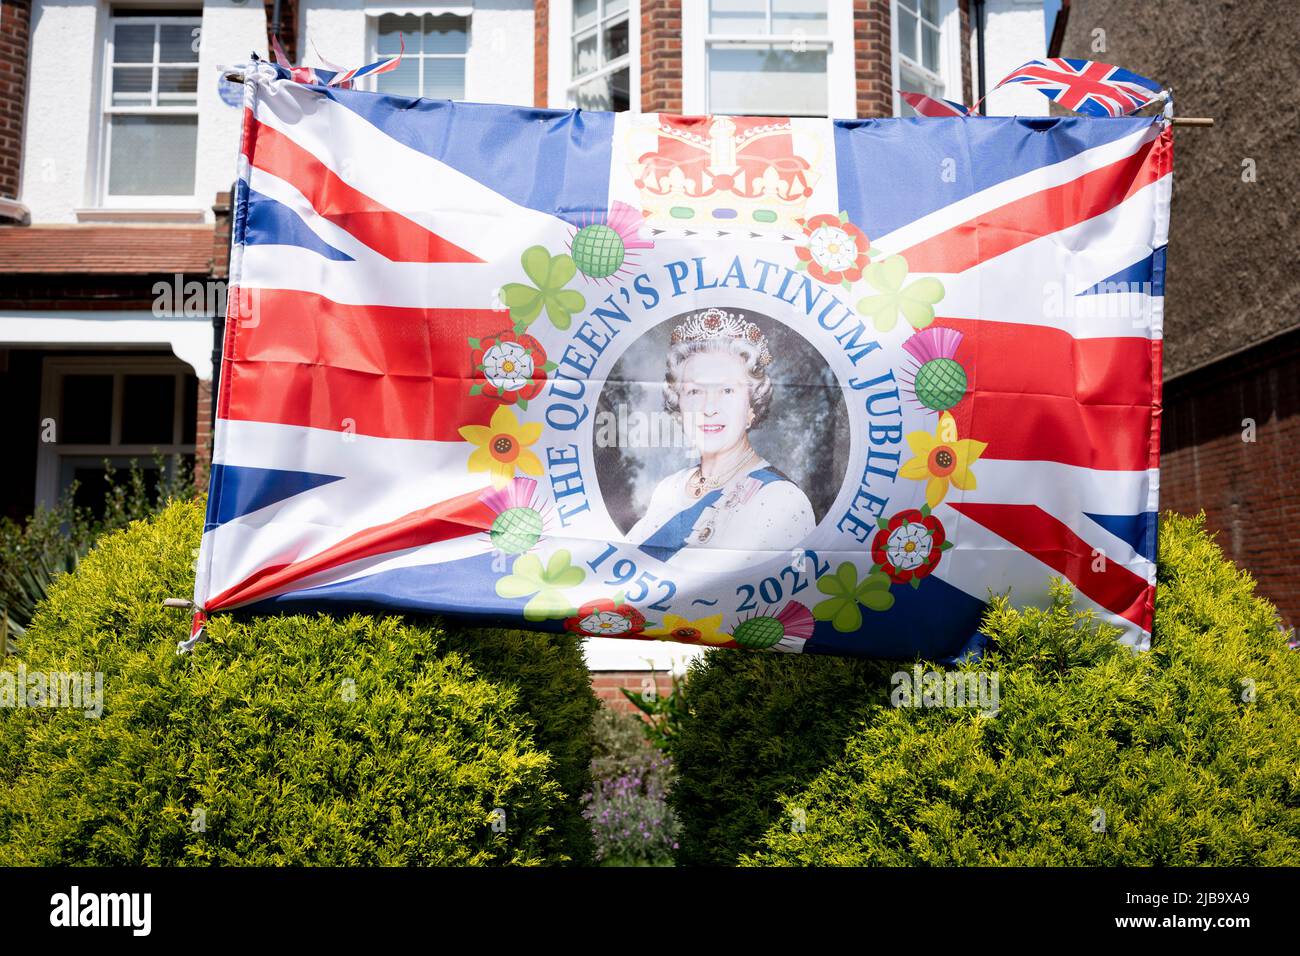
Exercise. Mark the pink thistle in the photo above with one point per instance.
(517, 494)
(626, 221)
(797, 621)
(933, 343)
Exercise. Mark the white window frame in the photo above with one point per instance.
(50, 455)
(560, 81)
(107, 110)
(372, 39)
(948, 80)
(841, 92)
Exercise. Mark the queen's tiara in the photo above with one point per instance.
(717, 324)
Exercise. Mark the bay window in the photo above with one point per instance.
(927, 55)
(601, 55)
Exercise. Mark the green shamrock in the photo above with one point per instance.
(916, 302)
(527, 576)
(550, 273)
(841, 608)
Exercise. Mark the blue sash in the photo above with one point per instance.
(672, 534)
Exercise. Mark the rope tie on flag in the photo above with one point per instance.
(196, 623)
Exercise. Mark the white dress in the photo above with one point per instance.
(757, 514)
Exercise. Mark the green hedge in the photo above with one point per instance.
(553, 690)
(759, 725)
(255, 729)
(1185, 755)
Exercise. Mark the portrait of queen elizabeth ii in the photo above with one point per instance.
(718, 385)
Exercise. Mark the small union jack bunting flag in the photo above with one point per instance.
(335, 76)
(929, 106)
(1084, 86)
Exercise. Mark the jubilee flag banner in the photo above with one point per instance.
(773, 383)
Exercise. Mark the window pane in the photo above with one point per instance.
(133, 43)
(391, 30)
(444, 78)
(152, 155)
(799, 16)
(87, 410)
(907, 34)
(446, 34)
(585, 14)
(189, 410)
(585, 57)
(738, 16)
(177, 86)
(616, 40)
(177, 43)
(615, 6)
(609, 92)
(132, 86)
(148, 403)
(403, 81)
(930, 49)
(908, 5)
(930, 10)
(767, 81)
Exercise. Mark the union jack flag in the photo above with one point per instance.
(1084, 86)
(401, 415)
(929, 106)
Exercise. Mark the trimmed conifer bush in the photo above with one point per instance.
(553, 691)
(756, 726)
(282, 740)
(1097, 756)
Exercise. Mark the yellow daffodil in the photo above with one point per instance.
(942, 458)
(705, 630)
(503, 446)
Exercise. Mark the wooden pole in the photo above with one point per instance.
(1193, 121)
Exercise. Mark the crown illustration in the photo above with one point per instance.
(751, 172)
(717, 324)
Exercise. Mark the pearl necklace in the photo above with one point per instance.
(697, 484)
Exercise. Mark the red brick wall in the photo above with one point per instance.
(541, 51)
(1247, 489)
(203, 436)
(661, 56)
(968, 97)
(15, 18)
(606, 684)
(221, 236)
(872, 60)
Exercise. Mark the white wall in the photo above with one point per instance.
(64, 116)
(498, 67)
(61, 90)
(230, 34)
(1014, 35)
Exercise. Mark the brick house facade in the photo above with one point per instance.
(94, 233)
(1232, 307)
